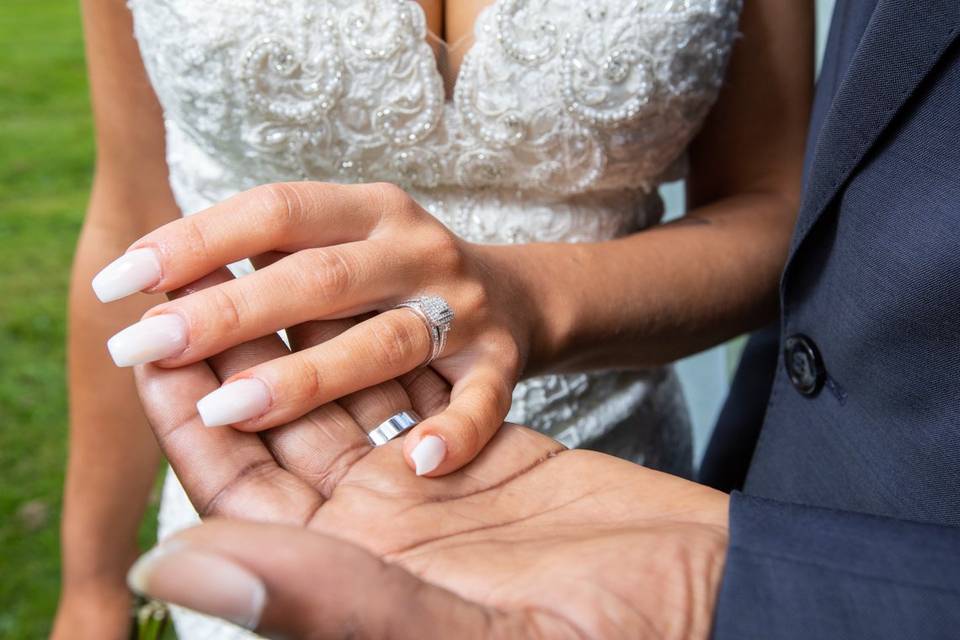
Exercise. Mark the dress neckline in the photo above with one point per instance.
(442, 49)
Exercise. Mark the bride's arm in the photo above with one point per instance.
(682, 287)
(113, 455)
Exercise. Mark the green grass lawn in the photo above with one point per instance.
(46, 157)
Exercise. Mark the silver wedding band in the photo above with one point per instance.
(393, 427)
(438, 318)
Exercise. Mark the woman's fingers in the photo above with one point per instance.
(282, 217)
(449, 440)
(377, 350)
(428, 391)
(291, 583)
(308, 285)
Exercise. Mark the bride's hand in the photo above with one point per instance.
(352, 250)
(529, 540)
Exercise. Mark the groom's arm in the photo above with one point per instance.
(797, 572)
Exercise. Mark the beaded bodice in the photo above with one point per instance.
(555, 97)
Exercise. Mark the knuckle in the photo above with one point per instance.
(281, 203)
(509, 356)
(388, 194)
(328, 273)
(392, 204)
(472, 301)
(196, 237)
(470, 432)
(445, 250)
(220, 304)
(397, 342)
(475, 299)
(307, 379)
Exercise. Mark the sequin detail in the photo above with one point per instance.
(556, 97)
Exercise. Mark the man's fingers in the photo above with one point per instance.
(447, 441)
(291, 583)
(224, 472)
(429, 392)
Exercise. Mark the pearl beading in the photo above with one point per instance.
(556, 97)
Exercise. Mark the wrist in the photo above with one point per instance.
(91, 568)
(708, 550)
(99, 609)
(89, 583)
(101, 600)
(544, 311)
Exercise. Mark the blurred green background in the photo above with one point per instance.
(46, 160)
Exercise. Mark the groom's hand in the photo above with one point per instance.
(297, 584)
(578, 545)
(528, 540)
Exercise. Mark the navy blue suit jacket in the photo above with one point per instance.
(848, 525)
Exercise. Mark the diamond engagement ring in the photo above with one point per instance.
(437, 316)
(393, 426)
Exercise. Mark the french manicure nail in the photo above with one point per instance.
(234, 402)
(150, 339)
(428, 454)
(201, 581)
(133, 271)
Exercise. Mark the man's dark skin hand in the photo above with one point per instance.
(339, 538)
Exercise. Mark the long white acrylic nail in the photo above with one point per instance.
(151, 339)
(428, 454)
(201, 581)
(234, 402)
(139, 573)
(133, 271)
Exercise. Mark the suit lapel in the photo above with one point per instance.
(900, 46)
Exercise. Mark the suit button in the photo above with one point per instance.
(803, 363)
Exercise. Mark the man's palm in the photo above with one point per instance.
(534, 537)
(546, 540)
(570, 541)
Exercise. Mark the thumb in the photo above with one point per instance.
(287, 582)
(446, 441)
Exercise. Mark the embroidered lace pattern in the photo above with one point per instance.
(556, 97)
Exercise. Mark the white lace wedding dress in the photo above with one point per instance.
(565, 117)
